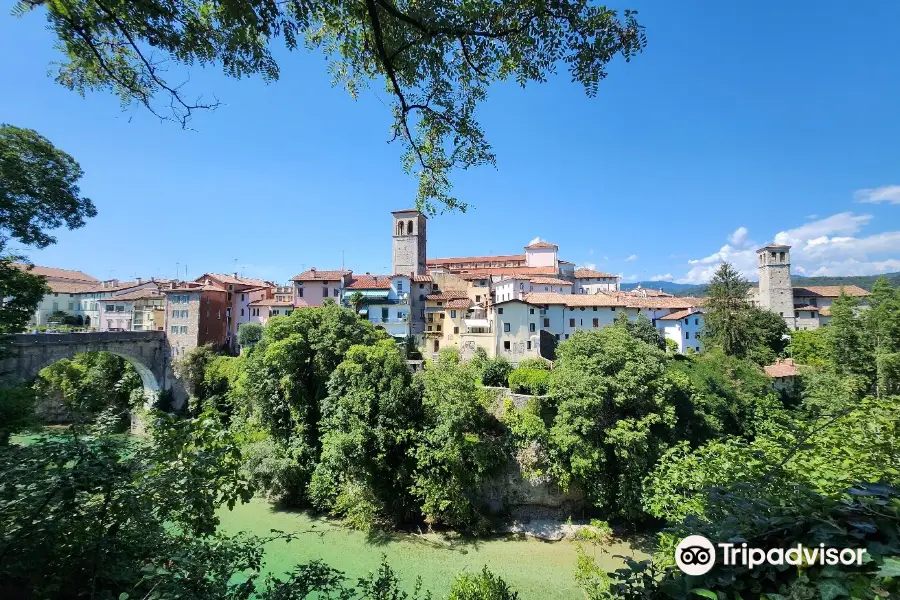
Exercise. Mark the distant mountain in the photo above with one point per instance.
(687, 289)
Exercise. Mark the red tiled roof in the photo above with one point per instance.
(622, 300)
(271, 302)
(192, 288)
(468, 259)
(773, 246)
(416, 278)
(232, 280)
(142, 294)
(678, 315)
(781, 368)
(542, 245)
(58, 274)
(448, 295)
(588, 273)
(550, 281)
(370, 282)
(316, 275)
(526, 271)
(829, 291)
(460, 303)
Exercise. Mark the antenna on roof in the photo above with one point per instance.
(342, 261)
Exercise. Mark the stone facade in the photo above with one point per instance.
(775, 291)
(409, 227)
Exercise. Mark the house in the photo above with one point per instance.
(518, 286)
(236, 288)
(195, 316)
(265, 308)
(518, 329)
(242, 310)
(783, 373)
(313, 286)
(683, 327)
(443, 324)
(589, 281)
(812, 303)
(138, 310)
(384, 300)
(539, 259)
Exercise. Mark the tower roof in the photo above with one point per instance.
(775, 246)
(408, 210)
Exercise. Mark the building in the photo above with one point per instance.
(518, 329)
(539, 259)
(265, 308)
(683, 327)
(384, 300)
(195, 316)
(589, 281)
(784, 375)
(775, 292)
(518, 286)
(445, 312)
(139, 310)
(802, 307)
(410, 242)
(313, 287)
(236, 288)
(245, 311)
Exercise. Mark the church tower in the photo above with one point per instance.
(775, 290)
(409, 242)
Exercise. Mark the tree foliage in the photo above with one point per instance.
(436, 59)
(461, 446)
(370, 420)
(90, 383)
(20, 293)
(38, 188)
(615, 414)
(641, 328)
(249, 334)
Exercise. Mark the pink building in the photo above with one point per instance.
(238, 296)
(312, 287)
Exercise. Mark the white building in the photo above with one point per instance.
(386, 301)
(589, 281)
(518, 331)
(683, 327)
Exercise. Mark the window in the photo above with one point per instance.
(242, 297)
(528, 345)
(120, 308)
(184, 329)
(500, 311)
(440, 303)
(567, 336)
(571, 322)
(477, 298)
(696, 321)
(506, 327)
(421, 297)
(242, 312)
(299, 292)
(456, 330)
(336, 292)
(452, 314)
(400, 286)
(773, 255)
(557, 336)
(421, 286)
(71, 306)
(612, 308)
(521, 286)
(546, 322)
(109, 308)
(531, 327)
(594, 308)
(324, 292)
(506, 345)
(172, 329)
(437, 328)
(781, 256)
(796, 314)
(687, 321)
(687, 335)
(530, 311)
(596, 323)
(384, 314)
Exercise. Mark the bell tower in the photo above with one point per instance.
(409, 227)
(775, 290)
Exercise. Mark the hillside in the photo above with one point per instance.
(685, 289)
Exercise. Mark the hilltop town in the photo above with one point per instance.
(516, 306)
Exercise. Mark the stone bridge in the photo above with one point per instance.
(147, 351)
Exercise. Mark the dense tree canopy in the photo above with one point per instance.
(436, 59)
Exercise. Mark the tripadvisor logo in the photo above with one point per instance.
(696, 555)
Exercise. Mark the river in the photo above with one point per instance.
(537, 570)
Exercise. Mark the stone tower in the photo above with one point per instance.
(409, 242)
(775, 290)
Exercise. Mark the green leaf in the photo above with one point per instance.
(705, 593)
(890, 568)
(123, 596)
(829, 589)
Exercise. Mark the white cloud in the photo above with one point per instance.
(535, 240)
(739, 237)
(885, 193)
(828, 246)
(845, 223)
(628, 278)
(666, 277)
(631, 258)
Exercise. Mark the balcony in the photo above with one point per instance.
(392, 320)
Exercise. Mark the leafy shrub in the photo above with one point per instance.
(483, 586)
(495, 372)
(529, 381)
(534, 363)
(249, 334)
(279, 469)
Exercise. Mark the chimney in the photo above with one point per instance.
(235, 274)
(139, 280)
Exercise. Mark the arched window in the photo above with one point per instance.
(409, 228)
(399, 227)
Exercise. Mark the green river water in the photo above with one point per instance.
(537, 570)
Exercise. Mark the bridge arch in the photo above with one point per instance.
(147, 351)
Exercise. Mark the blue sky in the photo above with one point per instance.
(738, 125)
